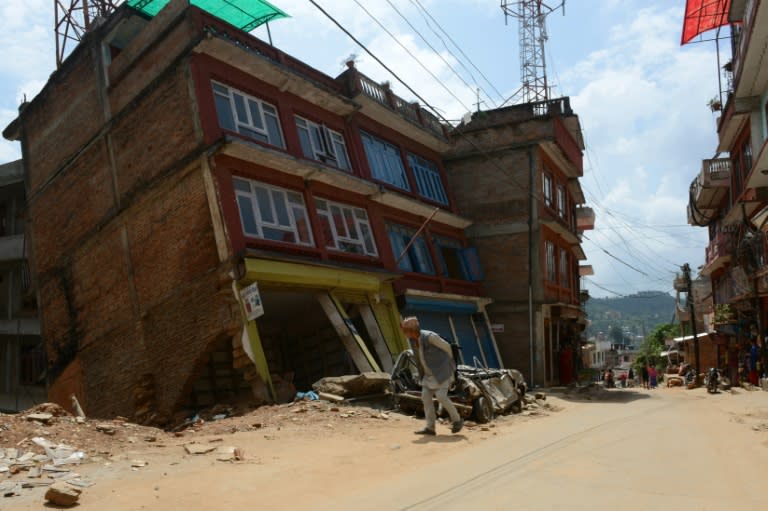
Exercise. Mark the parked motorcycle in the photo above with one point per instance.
(713, 379)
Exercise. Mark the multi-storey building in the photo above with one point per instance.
(22, 360)
(730, 194)
(213, 219)
(515, 172)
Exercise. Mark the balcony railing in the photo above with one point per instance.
(382, 94)
(711, 185)
(719, 247)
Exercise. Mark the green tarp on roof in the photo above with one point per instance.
(244, 14)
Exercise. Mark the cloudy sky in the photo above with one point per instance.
(641, 98)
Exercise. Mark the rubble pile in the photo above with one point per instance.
(43, 446)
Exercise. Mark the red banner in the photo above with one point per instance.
(703, 15)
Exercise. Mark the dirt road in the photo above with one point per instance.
(621, 449)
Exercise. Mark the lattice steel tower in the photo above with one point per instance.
(531, 15)
(74, 18)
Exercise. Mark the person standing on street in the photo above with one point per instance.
(436, 365)
(754, 357)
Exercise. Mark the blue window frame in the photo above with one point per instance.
(428, 179)
(457, 262)
(385, 161)
(417, 259)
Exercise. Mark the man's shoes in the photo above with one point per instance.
(426, 431)
(457, 426)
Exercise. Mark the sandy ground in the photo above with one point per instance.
(317, 455)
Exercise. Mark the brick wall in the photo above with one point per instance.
(131, 287)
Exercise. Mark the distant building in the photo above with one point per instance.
(515, 172)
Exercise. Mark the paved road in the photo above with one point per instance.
(663, 449)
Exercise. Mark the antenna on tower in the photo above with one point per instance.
(531, 15)
(73, 18)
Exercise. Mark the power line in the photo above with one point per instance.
(641, 272)
(425, 11)
(533, 193)
(425, 68)
(416, 31)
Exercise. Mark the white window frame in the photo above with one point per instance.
(360, 222)
(560, 198)
(326, 145)
(547, 186)
(249, 125)
(293, 206)
(549, 251)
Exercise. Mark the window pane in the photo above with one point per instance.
(302, 225)
(224, 112)
(325, 226)
(247, 216)
(255, 114)
(252, 134)
(278, 235)
(265, 205)
(370, 247)
(242, 116)
(338, 222)
(220, 89)
(280, 208)
(306, 145)
(273, 128)
(241, 185)
(350, 222)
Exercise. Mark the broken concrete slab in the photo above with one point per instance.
(63, 494)
(45, 418)
(352, 385)
(199, 448)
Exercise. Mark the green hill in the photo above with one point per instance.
(636, 314)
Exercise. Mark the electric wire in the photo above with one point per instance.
(471, 63)
(440, 55)
(533, 193)
(425, 68)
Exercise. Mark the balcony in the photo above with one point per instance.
(719, 253)
(382, 105)
(710, 187)
(750, 62)
(585, 219)
(758, 177)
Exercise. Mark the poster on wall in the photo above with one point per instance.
(252, 301)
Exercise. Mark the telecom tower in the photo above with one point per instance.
(73, 18)
(531, 15)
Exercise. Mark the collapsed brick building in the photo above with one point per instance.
(213, 219)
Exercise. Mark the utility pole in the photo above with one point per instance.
(687, 276)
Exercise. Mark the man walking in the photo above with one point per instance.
(435, 359)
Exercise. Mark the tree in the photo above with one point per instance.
(617, 335)
(650, 351)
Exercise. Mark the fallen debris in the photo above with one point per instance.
(199, 448)
(63, 494)
(354, 384)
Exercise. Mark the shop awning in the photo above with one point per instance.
(703, 15)
(244, 14)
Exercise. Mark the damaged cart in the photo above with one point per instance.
(478, 393)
